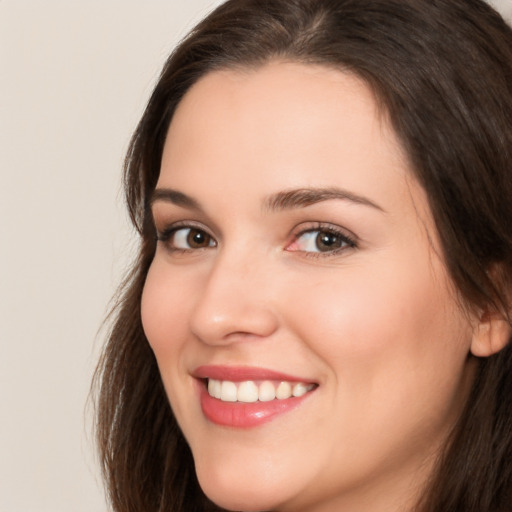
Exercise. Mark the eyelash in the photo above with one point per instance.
(167, 234)
(347, 241)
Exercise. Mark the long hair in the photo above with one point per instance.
(442, 72)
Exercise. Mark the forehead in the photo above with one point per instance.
(286, 97)
(289, 124)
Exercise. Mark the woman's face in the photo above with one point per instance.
(298, 255)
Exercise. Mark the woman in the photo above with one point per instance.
(323, 190)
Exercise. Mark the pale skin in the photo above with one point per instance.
(373, 320)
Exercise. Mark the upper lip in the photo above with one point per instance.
(243, 373)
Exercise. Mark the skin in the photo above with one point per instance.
(376, 324)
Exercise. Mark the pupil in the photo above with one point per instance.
(326, 241)
(197, 238)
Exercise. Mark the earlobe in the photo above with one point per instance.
(492, 333)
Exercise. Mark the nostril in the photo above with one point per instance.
(239, 324)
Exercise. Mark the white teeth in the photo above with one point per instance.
(228, 391)
(214, 388)
(267, 391)
(299, 389)
(249, 391)
(283, 391)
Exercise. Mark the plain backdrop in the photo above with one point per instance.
(74, 79)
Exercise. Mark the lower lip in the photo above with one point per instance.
(245, 415)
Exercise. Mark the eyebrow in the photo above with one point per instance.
(169, 195)
(302, 197)
(285, 200)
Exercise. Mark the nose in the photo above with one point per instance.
(236, 303)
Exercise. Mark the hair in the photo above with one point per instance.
(442, 72)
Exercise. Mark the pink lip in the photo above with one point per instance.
(241, 373)
(243, 415)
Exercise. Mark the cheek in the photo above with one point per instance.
(356, 315)
(164, 319)
(161, 310)
(396, 351)
(396, 329)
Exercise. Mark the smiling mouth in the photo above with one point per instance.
(251, 391)
(246, 397)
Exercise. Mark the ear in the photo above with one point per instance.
(492, 333)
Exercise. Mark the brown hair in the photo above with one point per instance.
(442, 70)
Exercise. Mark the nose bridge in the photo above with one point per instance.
(236, 299)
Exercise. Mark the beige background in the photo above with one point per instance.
(74, 77)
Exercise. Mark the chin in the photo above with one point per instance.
(240, 492)
(240, 500)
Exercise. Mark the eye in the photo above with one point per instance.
(186, 239)
(321, 240)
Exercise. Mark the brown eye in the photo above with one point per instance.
(326, 241)
(197, 239)
(191, 238)
(321, 241)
